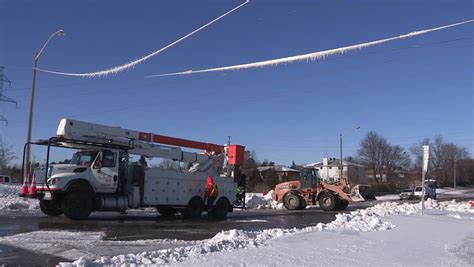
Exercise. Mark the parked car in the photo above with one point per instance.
(5, 179)
(406, 194)
(429, 192)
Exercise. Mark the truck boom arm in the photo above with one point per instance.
(147, 144)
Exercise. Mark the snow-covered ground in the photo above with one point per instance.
(444, 236)
(393, 232)
(9, 199)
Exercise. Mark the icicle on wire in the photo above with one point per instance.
(132, 64)
(311, 56)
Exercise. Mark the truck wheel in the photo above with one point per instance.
(221, 208)
(194, 208)
(77, 206)
(341, 204)
(166, 211)
(327, 201)
(291, 201)
(50, 207)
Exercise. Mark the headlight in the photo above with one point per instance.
(52, 181)
(50, 171)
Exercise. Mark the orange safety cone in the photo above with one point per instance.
(32, 189)
(24, 187)
(471, 202)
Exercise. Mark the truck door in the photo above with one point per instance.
(105, 171)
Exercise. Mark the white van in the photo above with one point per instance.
(429, 192)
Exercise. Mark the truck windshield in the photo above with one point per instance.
(84, 158)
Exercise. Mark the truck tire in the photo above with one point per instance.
(221, 208)
(50, 207)
(342, 204)
(194, 208)
(77, 205)
(166, 211)
(291, 201)
(327, 201)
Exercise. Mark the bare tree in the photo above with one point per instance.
(6, 155)
(381, 157)
(395, 157)
(442, 158)
(371, 153)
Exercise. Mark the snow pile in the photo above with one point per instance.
(449, 205)
(389, 208)
(261, 201)
(360, 220)
(224, 241)
(9, 199)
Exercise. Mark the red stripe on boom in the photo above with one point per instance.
(162, 139)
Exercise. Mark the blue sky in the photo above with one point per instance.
(405, 90)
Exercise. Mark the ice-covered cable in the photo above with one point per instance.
(132, 64)
(311, 56)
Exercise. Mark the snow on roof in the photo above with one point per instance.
(277, 168)
(333, 163)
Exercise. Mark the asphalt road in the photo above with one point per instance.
(149, 225)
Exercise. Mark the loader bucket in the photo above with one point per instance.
(356, 195)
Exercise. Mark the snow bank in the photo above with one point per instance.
(366, 220)
(261, 201)
(9, 199)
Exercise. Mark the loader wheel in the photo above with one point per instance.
(327, 201)
(194, 208)
(166, 211)
(291, 201)
(77, 206)
(341, 204)
(221, 208)
(50, 207)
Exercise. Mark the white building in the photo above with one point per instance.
(329, 170)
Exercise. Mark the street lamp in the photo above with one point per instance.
(340, 150)
(32, 100)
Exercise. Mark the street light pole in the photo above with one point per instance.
(26, 164)
(340, 150)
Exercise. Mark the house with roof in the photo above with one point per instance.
(330, 170)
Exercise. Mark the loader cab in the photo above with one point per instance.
(309, 178)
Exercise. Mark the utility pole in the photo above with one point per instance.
(340, 150)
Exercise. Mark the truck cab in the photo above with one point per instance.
(99, 167)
